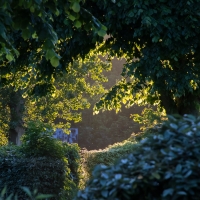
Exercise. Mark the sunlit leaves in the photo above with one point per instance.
(159, 48)
(29, 21)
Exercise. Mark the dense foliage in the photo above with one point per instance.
(41, 163)
(44, 37)
(160, 41)
(107, 156)
(71, 93)
(33, 195)
(164, 166)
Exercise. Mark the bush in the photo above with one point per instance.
(41, 163)
(45, 174)
(165, 166)
(107, 156)
(38, 141)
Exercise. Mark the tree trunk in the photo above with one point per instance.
(16, 104)
(167, 103)
(186, 104)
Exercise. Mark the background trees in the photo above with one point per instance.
(60, 108)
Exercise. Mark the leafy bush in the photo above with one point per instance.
(38, 141)
(45, 174)
(164, 166)
(107, 156)
(41, 163)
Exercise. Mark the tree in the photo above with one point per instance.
(45, 35)
(84, 79)
(160, 41)
(39, 42)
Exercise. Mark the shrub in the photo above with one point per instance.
(46, 174)
(164, 166)
(42, 163)
(107, 156)
(38, 141)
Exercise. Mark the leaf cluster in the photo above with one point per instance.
(107, 156)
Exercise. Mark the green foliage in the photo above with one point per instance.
(38, 141)
(45, 174)
(149, 118)
(71, 153)
(31, 195)
(107, 156)
(164, 166)
(160, 41)
(41, 163)
(43, 38)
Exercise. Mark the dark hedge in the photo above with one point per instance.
(41, 163)
(45, 174)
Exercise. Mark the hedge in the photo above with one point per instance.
(165, 166)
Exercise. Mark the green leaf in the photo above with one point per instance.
(167, 192)
(104, 193)
(71, 17)
(76, 7)
(48, 44)
(50, 54)
(3, 192)
(9, 57)
(32, 9)
(27, 191)
(104, 28)
(77, 24)
(26, 34)
(178, 168)
(43, 196)
(101, 33)
(156, 175)
(54, 61)
(182, 193)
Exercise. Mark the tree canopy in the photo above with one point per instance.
(158, 38)
(44, 36)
